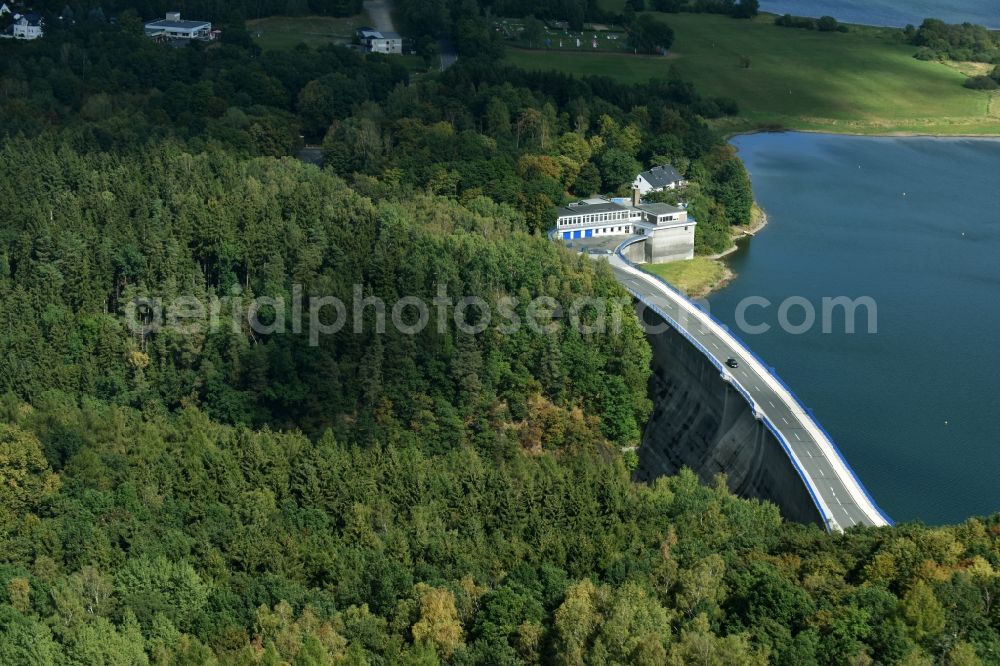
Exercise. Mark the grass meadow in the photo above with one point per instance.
(864, 81)
(695, 277)
(285, 32)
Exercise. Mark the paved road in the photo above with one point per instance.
(839, 494)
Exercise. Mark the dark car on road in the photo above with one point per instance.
(733, 363)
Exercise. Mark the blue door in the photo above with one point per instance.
(576, 234)
(590, 232)
(566, 235)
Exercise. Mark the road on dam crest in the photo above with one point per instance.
(838, 494)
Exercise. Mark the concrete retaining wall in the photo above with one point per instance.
(663, 246)
(674, 244)
(700, 421)
(636, 252)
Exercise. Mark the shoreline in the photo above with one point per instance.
(740, 233)
(883, 135)
(744, 232)
(727, 277)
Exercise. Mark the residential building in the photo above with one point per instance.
(26, 26)
(657, 179)
(172, 27)
(375, 41)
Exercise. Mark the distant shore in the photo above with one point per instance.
(863, 82)
(729, 136)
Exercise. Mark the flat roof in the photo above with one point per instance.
(178, 25)
(660, 209)
(590, 209)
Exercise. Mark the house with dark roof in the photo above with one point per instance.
(25, 26)
(375, 41)
(657, 179)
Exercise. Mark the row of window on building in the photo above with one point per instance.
(594, 218)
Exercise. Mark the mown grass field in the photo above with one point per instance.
(285, 32)
(697, 277)
(865, 81)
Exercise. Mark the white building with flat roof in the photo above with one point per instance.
(596, 217)
(172, 27)
(669, 229)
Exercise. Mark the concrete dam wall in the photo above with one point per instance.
(700, 421)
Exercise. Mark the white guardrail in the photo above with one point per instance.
(829, 450)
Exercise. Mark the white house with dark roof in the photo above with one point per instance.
(26, 26)
(172, 27)
(657, 179)
(376, 41)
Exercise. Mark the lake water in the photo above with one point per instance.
(915, 408)
(891, 12)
